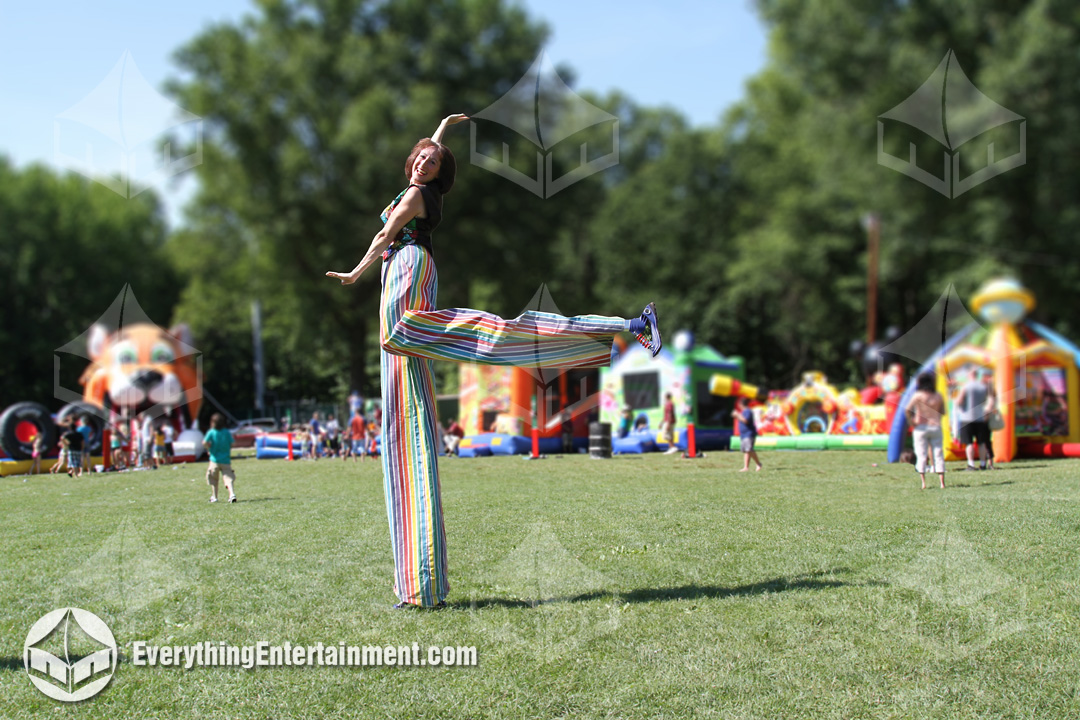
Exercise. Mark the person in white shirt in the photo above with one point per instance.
(333, 431)
(146, 442)
(169, 437)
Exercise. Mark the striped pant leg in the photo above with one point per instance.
(409, 452)
(532, 340)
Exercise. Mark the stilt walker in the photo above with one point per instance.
(413, 333)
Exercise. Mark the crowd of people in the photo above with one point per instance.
(327, 438)
(358, 439)
(147, 442)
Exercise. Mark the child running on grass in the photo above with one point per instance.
(747, 433)
(218, 442)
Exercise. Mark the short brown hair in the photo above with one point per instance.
(217, 421)
(447, 164)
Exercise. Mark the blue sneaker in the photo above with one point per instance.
(650, 338)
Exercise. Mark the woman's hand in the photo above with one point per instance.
(345, 278)
(447, 122)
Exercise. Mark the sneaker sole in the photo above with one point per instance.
(654, 328)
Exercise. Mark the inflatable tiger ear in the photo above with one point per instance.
(182, 333)
(93, 378)
(95, 342)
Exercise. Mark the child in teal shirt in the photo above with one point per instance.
(218, 442)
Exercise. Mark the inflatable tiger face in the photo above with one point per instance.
(144, 368)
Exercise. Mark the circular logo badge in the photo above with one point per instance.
(70, 654)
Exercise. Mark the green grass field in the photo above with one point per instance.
(640, 587)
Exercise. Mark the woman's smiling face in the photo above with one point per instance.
(426, 166)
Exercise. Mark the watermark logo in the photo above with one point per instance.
(541, 574)
(113, 135)
(70, 654)
(964, 604)
(135, 584)
(927, 340)
(134, 366)
(951, 111)
(543, 110)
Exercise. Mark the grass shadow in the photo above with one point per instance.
(16, 663)
(820, 580)
(982, 484)
(1003, 467)
(11, 663)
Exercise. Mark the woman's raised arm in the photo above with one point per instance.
(448, 121)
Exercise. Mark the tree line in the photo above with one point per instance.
(748, 231)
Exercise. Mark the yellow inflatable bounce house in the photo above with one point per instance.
(1033, 372)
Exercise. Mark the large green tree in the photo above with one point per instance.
(851, 62)
(878, 54)
(310, 110)
(751, 233)
(68, 246)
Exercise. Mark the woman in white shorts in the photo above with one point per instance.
(924, 413)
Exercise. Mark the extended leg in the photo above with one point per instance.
(533, 339)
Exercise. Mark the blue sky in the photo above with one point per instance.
(690, 55)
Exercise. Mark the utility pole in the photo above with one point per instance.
(256, 342)
(872, 223)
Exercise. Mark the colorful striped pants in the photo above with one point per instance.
(413, 333)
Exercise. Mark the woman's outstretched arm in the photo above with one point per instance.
(410, 206)
(447, 121)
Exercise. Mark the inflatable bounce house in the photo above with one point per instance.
(1033, 371)
(500, 406)
(135, 368)
(640, 382)
(817, 416)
